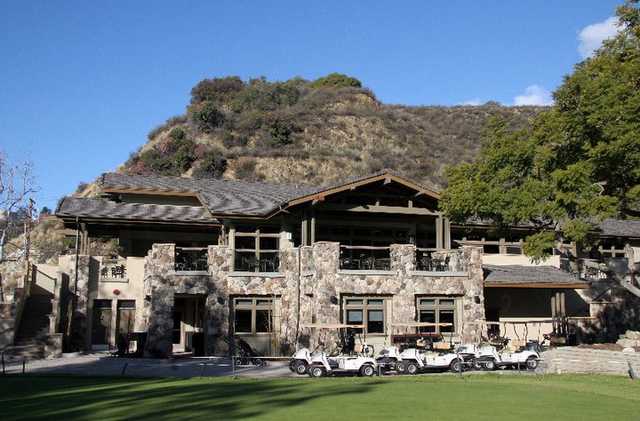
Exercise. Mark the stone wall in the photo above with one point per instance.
(74, 300)
(309, 292)
(585, 360)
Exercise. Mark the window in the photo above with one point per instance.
(253, 315)
(437, 310)
(367, 311)
(257, 251)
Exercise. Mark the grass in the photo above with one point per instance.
(478, 397)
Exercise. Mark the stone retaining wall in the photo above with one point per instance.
(585, 360)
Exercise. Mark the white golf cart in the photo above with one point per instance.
(491, 357)
(414, 360)
(355, 361)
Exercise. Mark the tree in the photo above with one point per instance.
(206, 116)
(211, 165)
(336, 80)
(577, 164)
(16, 208)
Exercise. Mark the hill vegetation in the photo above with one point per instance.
(315, 132)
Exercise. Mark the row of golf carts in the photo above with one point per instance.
(359, 358)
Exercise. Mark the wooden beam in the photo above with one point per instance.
(547, 285)
(378, 209)
(439, 233)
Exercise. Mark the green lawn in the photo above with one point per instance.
(478, 397)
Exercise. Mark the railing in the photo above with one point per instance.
(433, 260)
(248, 261)
(597, 269)
(191, 259)
(365, 258)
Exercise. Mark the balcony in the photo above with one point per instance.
(440, 261)
(264, 262)
(191, 259)
(365, 258)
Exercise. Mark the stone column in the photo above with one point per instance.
(473, 300)
(325, 302)
(403, 262)
(159, 298)
(218, 305)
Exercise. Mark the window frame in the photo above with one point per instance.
(365, 307)
(437, 307)
(254, 307)
(257, 235)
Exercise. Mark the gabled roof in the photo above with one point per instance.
(220, 197)
(83, 207)
(386, 175)
(518, 276)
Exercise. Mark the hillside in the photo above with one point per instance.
(315, 132)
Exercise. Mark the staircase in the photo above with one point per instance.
(33, 331)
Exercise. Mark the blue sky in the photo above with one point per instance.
(83, 82)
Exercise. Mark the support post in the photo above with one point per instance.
(439, 232)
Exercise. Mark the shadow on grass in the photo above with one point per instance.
(67, 398)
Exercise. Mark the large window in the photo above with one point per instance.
(438, 310)
(257, 251)
(367, 311)
(253, 315)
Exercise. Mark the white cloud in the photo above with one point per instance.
(472, 102)
(534, 95)
(591, 36)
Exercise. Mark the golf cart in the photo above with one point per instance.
(414, 360)
(495, 352)
(490, 359)
(354, 359)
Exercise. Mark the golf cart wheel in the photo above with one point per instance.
(259, 362)
(411, 367)
(317, 371)
(477, 365)
(456, 366)
(367, 370)
(292, 365)
(301, 368)
(399, 366)
(532, 363)
(489, 365)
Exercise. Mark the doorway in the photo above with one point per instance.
(187, 335)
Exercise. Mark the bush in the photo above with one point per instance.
(266, 96)
(206, 116)
(212, 165)
(246, 170)
(336, 80)
(173, 121)
(170, 158)
(281, 132)
(218, 90)
(177, 133)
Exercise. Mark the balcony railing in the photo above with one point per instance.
(191, 259)
(248, 261)
(433, 260)
(365, 258)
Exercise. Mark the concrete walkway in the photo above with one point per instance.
(105, 365)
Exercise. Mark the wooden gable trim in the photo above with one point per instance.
(318, 197)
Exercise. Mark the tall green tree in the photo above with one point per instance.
(577, 164)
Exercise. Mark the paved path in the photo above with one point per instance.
(102, 365)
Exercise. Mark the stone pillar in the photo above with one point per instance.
(325, 302)
(159, 298)
(218, 305)
(403, 262)
(473, 300)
